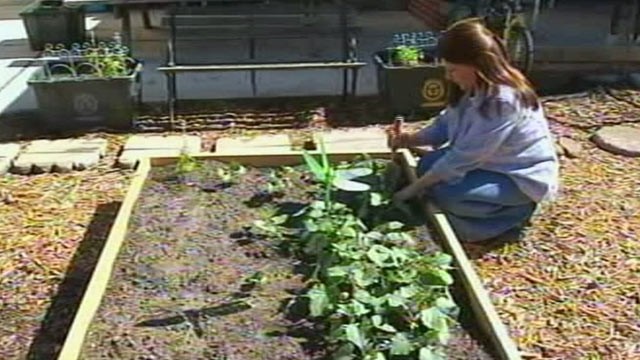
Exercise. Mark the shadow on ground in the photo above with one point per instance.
(51, 335)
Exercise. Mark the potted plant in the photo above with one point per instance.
(411, 78)
(51, 21)
(93, 85)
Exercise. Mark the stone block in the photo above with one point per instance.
(68, 146)
(361, 140)
(54, 162)
(147, 142)
(8, 152)
(572, 148)
(254, 145)
(130, 158)
(62, 155)
(620, 139)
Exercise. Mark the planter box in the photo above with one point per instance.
(53, 25)
(70, 103)
(411, 89)
(467, 282)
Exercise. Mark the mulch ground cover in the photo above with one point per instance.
(568, 291)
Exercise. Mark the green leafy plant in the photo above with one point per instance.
(278, 181)
(108, 65)
(231, 173)
(407, 55)
(187, 164)
(382, 299)
(271, 224)
(331, 177)
(379, 297)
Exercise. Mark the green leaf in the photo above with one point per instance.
(338, 271)
(379, 254)
(395, 300)
(442, 259)
(434, 319)
(408, 292)
(375, 235)
(345, 352)
(314, 166)
(443, 334)
(429, 354)
(311, 226)
(439, 277)
(361, 278)
(354, 335)
(326, 165)
(400, 255)
(280, 219)
(319, 300)
(315, 244)
(400, 345)
(320, 205)
(375, 199)
(348, 185)
(350, 174)
(394, 225)
(348, 231)
(377, 322)
(445, 304)
(352, 309)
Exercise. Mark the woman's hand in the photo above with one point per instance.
(396, 139)
(407, 193)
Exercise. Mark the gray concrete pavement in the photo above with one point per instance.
(567, 27)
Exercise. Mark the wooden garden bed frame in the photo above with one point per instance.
(483, 310)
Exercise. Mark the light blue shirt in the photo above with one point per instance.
(510, 139)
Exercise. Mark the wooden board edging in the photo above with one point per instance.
(483, 309)
(275, 158)
(97, 286)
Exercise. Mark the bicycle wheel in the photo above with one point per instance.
(520, 48)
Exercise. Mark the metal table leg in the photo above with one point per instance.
(146, 19)
(126, 26)
(345, 47)
(172, 90)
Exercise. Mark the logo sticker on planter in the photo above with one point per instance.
(85, 104)
(433, 91)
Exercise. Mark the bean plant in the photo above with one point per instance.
(378, 296)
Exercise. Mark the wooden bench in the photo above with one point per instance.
(268, 24)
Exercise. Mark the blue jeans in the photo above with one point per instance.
(482, 205)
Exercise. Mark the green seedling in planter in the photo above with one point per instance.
(407, 55)
(231, 173)
(111, 65)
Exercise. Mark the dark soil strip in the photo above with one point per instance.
(191, 282)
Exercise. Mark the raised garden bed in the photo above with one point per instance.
(201, 263)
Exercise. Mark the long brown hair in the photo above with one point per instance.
(469, 42)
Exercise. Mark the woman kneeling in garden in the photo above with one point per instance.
(500, 161)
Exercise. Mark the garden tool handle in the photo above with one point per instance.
(397, 130)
